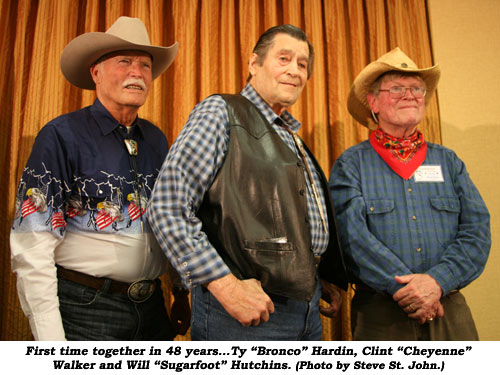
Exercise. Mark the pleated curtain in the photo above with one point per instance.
(215, 38)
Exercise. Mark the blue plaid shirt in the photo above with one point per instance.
(390, 226)
(188, 172)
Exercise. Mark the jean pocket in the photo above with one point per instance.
(71, 293)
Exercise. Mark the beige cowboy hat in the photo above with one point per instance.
(394, 60)
(125, 34)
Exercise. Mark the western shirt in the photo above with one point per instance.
(80, 205)
(390, 226)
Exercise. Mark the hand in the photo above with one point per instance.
(180, 313)
(331, 295)
(244, 300)
(420, 297)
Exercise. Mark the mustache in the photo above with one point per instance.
(134, 82)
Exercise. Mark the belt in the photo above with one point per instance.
(138, 291)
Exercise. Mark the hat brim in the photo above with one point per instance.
(357, 103)
(83, 51)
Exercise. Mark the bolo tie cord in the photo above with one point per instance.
(133, 151)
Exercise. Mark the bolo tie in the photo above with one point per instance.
(133, 151)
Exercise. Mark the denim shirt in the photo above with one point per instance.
(390, 226)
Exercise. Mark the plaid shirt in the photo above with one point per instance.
(390, 226)
(188, 172)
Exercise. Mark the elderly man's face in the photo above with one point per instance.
(123, 79)
(398, 116)
(283, 73)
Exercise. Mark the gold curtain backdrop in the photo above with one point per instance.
(215, 38)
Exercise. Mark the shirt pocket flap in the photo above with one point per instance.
(379, 206)
(450, 204)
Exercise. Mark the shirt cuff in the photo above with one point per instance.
(47, 326)
(445, 278)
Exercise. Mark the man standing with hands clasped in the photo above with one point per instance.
(413, 225)
(241, 207)
(86, 261)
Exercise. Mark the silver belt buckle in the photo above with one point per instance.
(140, 291)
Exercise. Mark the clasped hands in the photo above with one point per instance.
(420, 297)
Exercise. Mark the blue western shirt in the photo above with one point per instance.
(390, 226)
(81, 204)
(80, 176)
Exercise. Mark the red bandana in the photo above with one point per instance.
(403, 155)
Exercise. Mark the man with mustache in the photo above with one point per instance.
(242, 211)
(87, 266)
(414, 228)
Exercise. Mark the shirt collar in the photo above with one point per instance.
(271, 116)
(107, 123)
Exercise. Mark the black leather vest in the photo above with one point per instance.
(255, 212)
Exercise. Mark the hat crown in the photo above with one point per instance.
(398, 59)
(131, 30)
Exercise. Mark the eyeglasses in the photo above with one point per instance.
(397, 92)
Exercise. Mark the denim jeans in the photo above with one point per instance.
(291, 320)
(90, 314)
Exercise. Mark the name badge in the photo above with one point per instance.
(429, 173)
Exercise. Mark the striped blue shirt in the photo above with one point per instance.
(188, 172)
(390, 226)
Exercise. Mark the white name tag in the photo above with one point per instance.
(429, 173)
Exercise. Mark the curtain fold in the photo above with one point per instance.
(215, 38)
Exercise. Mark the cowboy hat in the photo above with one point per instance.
(394, 60)
(125, 34)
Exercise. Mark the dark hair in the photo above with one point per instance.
(266, 41)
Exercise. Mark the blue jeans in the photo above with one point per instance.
(291, 320)
(90, 314)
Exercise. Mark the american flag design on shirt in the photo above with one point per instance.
(75, 206)
(58, 220)
(137, 205)
(104, 219)
(28, 207)
(79, 162)
(71, 212)
(36, 201)
(108, 214)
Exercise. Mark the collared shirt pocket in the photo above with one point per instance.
(446, 217)
(382, 220)
(450, 204)
(379, 206)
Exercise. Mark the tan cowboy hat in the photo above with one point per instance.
(394, 60)
(125, 34)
